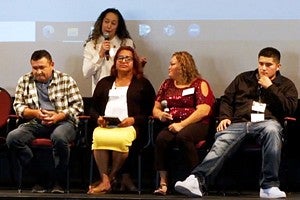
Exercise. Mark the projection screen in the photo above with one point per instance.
(224, 37)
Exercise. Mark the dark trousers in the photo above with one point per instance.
(186, 139)
(61, 135)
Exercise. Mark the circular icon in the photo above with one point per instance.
(144, 30)
(194, 30)
(169, 30)
(48, 31)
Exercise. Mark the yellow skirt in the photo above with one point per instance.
(115, 138)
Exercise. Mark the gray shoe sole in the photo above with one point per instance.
(273, 197)
(39, 191)
(58, 191)
(186, 192)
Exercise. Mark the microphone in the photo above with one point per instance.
(164, 105)
(106, 37)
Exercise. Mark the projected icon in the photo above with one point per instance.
(48, 31)
(72, 32)
(144, 30)
(194, 30)
(169, 30)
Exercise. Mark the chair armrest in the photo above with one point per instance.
(151, 130)
(84, 117)
(290, 119)
(286, 122)
(82, 130)
(13, 121)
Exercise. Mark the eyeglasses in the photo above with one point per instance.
(124, 58)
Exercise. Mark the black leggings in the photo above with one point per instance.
(186, 139)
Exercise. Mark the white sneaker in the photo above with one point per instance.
(271, 193)
(189, 187)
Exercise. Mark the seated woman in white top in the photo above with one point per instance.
(129, 96)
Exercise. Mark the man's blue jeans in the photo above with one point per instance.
(268, 134)
(61, 135)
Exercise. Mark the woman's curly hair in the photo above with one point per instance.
(121, 32)
(188, 66)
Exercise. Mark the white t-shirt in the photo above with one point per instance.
(117, 102)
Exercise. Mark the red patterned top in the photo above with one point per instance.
(182, 102)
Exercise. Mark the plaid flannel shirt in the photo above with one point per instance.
(63, 93)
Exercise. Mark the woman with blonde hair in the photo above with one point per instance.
(189, 101)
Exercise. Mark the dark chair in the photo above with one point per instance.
(5, 105)
(5, 109)
(148, 144)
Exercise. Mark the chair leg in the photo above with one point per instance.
(139, 173)
(19, 178)
(16, 170)
(91, 170)
(68, 180)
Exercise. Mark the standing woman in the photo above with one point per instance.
(189, 100)
(109, 33)
(128, 95)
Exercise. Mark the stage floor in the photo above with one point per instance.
(12, 194)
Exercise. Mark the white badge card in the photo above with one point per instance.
(258, 107)
(188, 91)
(257, 117)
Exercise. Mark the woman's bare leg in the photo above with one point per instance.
(102, 161)
(118, 159)
(162, 190)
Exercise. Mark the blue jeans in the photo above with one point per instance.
(61, 135)
(268, 133)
